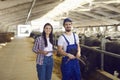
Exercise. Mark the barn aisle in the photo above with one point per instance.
(17, 61)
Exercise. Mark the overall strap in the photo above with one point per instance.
(66, 39)
(74, 38)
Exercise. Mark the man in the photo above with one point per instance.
(68, 46)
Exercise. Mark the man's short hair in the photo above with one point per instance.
(67, 20)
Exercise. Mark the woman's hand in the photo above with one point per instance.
(45, 52)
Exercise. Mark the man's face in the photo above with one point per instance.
(68, 26)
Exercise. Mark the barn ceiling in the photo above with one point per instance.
(13, 12)
(97, 12)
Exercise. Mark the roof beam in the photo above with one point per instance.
(22, 19)
(101, 18)
(103, 13)
(37, 11)
(15, 22)
(114, 16)
(107, 15)
(39, 8)
(12, 3)
(21, 7)
(29, 13)
(106, 2)
(91, 22)
(109, 7)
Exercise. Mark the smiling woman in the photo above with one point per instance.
(43, 47)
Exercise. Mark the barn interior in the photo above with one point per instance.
(97, 22)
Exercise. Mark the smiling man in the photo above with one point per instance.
(68, 46)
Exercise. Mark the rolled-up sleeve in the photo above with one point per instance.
(36, 45)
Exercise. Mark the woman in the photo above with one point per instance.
(43, 47)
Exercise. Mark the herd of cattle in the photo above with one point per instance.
(6, 37)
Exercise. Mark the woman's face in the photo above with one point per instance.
(48, 29)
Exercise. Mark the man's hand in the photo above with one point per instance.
(71, 56)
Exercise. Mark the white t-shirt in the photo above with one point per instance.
(70, 38)
(49, 48)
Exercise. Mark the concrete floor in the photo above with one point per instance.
(17, 61)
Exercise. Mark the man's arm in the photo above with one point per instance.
(79, 51)
(62, 52)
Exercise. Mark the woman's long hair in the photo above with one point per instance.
(50, 35)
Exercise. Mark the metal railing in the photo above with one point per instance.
(102, 52)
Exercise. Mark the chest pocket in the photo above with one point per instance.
(71, 48)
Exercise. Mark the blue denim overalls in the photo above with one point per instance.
(70, 68)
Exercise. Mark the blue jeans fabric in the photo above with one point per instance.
(45, 71)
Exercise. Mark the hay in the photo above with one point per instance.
(57, 63)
